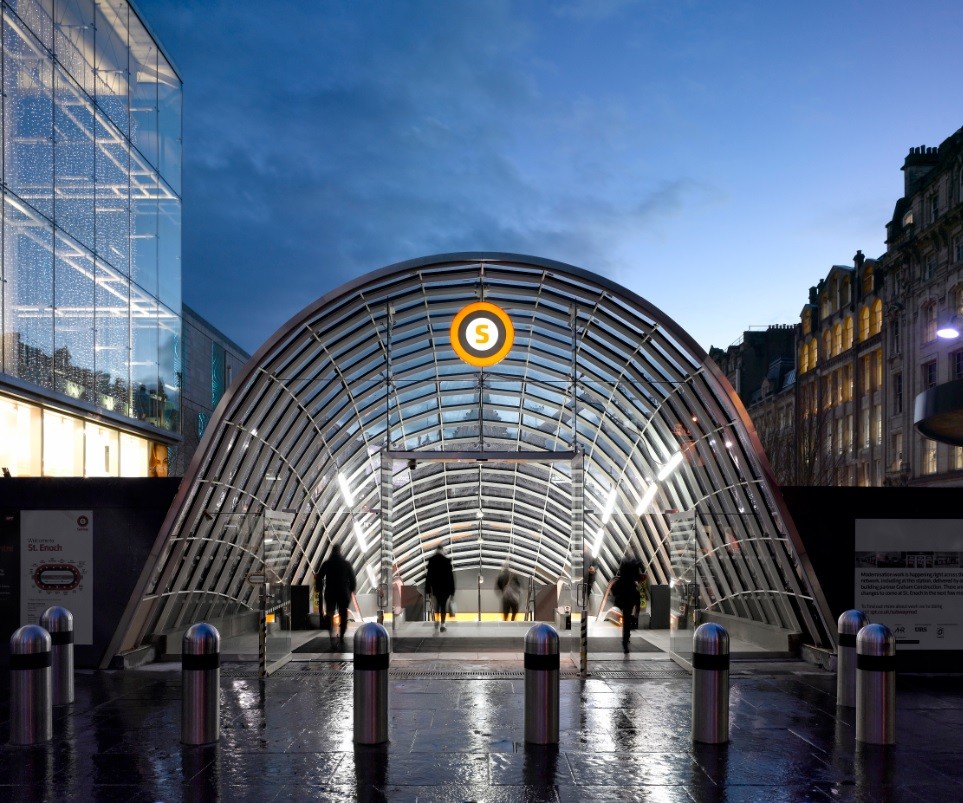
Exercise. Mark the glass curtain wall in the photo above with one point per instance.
(91, 208)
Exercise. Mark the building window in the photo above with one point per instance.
(957, 458)
(867, 374)
(929, 323)
(929, 267)
(934, 208)
(864, 427)
(828, 344)
(956, 364)
(864, 323)
(898, 392)
(894, 336)
(876, 324)
(848, 333)
(804, 358)
(928, 374)
(878, 425)
(807, 322)
(929, 457)
(867, 282)
(813, 353)
(848, 382)
(837, 338)
(958, 248)
(897, 455)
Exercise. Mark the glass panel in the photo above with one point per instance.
(276, 549)
(27, 119)
(112, 344)
(169, 99)
(143, 91)
(74, 40)
(143, 363)
(74, 321)
(110, 61)
(63, 445)
(28, 240)
(170, 368)
(74, 160)
(20, 445)
(144, 212)
(169, 250)
(103, 451)
(113, 198)
(683, 591)
(37, 16)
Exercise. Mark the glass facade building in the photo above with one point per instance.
(91, 233)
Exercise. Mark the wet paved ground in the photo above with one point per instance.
(457, 734)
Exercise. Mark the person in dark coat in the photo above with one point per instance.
(625, 593)
(337, 579)
(510, 587)
(440, 582)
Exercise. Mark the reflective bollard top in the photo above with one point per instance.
(200, 639)
(849, 624)
(541, 639)
(29, 640)
(875, 641)
(57, 620)
(370, 639)
(710, 639)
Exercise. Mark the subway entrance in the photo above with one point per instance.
(516, 411)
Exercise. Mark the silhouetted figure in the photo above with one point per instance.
(440, 582)
(625, 592)
(336, 578)
(510, 588)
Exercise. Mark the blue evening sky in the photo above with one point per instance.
(715, 157)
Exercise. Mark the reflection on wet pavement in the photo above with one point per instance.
(461, 738)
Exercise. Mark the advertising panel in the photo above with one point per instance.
(56, 565)
(909, 577)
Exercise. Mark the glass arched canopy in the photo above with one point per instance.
(666, 452)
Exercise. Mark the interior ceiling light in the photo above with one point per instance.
(647, 498)
(669, 467)
(345, 490)
(609, 506)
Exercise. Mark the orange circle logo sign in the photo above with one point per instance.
(482, 334)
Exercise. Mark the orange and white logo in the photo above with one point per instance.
(482, 334)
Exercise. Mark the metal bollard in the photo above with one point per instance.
(710, 684)
(850, 623)
(875, 685)
(200, 684)
(59, 623)
(371, 684)
(541, 685)
(31, 714)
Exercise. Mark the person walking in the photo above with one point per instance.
(510, 587)
(336, 579)
(440, 582)
(625, 593)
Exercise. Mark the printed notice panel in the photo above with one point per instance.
(909, 577)
(56, 564)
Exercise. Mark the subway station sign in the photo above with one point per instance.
(482, 334)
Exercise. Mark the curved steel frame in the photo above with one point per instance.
(304, 427)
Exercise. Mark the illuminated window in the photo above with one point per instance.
(813, 353)
(864, 323)
(867, 282)
(134, 456)
(848, 333)
(929, 457)
(828, 344)
(928, 374)
(876, 324)
(807, 317)
(20, 424)
(929, 323)
(838, 338)
(804, 358)
(63, 445)
(102, 449)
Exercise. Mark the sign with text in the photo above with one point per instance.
(56, 564)
(909, 577)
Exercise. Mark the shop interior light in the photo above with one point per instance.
(597, 545)
(362, 544)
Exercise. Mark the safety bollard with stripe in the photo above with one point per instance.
(710, 684)
(201, 685)
(31, 713)
(371, 651)
(541, 685)
(849, 624)
(59, 623)
(875, 685)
